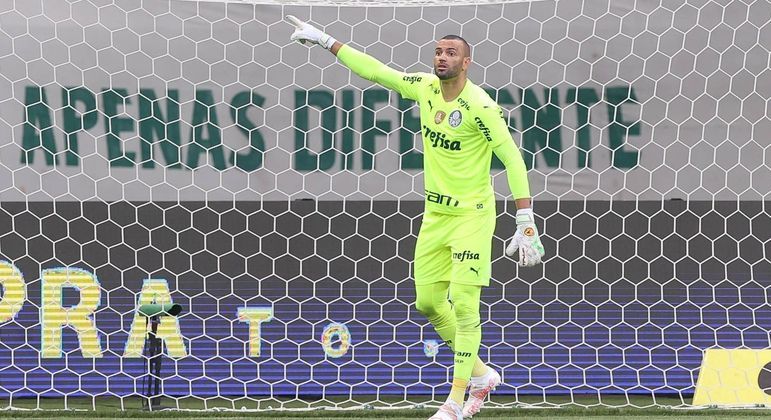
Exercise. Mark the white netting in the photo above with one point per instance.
(189, 147)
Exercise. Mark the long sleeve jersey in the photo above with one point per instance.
(459, 137)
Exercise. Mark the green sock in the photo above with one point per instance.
(445, 327)
(432, 301)
(468, 331)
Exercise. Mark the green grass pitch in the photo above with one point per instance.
(646, 408)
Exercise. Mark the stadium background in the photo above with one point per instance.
(643, 125)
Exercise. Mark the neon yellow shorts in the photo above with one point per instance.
(455, 248)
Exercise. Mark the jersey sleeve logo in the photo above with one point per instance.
(412, 79)
(439, 117)
(455, 118)
(483, 129)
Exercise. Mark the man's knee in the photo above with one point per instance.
(466, 314)
(467, 319)
(436, 310)
(429, 309)
(425, 308)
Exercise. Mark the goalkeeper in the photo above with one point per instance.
(461, 128)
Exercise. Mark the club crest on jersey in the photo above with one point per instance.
(439, 117)
(455, 118)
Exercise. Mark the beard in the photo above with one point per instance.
(448, 73)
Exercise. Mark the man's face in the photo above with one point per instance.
(450, 58)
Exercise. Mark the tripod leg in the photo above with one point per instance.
(156, 369)
(151, 382)
(147, 353)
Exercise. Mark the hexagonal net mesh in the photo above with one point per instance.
(187, 152)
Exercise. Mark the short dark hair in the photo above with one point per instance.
(459, 38)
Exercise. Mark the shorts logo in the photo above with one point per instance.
(439, 117)
(465, 255)
(455, 118)
(529, 232)
(475, 270)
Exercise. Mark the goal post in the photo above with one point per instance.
(188, 153)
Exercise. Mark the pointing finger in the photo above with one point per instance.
(294, 21)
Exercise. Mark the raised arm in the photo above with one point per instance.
(364, 65)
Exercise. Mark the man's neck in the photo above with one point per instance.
(452, 88)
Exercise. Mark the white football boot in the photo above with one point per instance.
(450, 410)
(479, 388)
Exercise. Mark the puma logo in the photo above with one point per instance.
(475, 270)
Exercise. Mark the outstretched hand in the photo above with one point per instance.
(306, 33)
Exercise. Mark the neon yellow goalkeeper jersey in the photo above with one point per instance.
(458, 136)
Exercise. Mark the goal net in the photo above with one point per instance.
(186, 152)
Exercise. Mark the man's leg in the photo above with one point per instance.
(468, 336)
(471, 246)
(431, 301)
(434, 265)
(432, 275)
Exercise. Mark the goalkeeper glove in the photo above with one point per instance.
(525, 240)
(305, 32)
